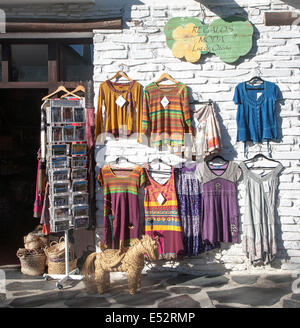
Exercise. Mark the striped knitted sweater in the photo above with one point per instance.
(166, 124)
(121, 205)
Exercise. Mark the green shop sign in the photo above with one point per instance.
(228, 38)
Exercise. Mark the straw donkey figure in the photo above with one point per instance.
(98, 266)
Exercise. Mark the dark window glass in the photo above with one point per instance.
(76, 62)
(29, 62)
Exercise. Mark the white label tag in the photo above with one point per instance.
(258, 95)
(161, 199)
(120, 101)
(164, 101)
(266, 186)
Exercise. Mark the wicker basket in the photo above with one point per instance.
(56, 257)
(56, 249)
(34, 241)
(60, 267)
(32, 262)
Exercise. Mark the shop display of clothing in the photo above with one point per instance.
(162, 217)
(123, 108)
(166, 114)
(219, 202)
(259, 238)
(207, 132)
(189, 195)
(256, 114)
(121, 205)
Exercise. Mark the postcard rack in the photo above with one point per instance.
(65, 149)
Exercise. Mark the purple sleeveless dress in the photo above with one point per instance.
(188, 189)
(219, 206)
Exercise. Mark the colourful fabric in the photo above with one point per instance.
(166, 125)
(119, 120)
(45, 216)
(39, 189)
(219, 206)
(256, 114)
(189, 195)
(121, 205)
(208, 134)
(163, 220)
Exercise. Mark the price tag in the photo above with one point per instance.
(120, 101)
(161, 199)
(266, 186)
(164, 101)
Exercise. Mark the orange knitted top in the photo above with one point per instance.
(123, 108)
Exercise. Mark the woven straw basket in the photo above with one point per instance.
(32, 262)
(60, 267)
(56, 257)
(34, 241)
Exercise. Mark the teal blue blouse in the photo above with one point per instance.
(256, 114)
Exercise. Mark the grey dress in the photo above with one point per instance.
(259, 239)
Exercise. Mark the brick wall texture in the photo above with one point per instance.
(141, 51)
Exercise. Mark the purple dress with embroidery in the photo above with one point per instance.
(188, 189)
(219, 206)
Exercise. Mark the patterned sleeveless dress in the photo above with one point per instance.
(189, 194)
(162, 217)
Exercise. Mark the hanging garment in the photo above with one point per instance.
(162, 217)
(166, 114)
(123, 108)
(45, 216)
(219, 202)
(259, 240)
(121, 205)
(256, 114)
(189, 195)
(39, 189)
(208, 135)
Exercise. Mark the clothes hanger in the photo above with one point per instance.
(209, 102)
(166, 76)
(261, 167)
(60, 88)
(255, 79)
(121, 73)
(77, 89)
(160, 161)
(117, 161)
(217, 167)
(157, 171)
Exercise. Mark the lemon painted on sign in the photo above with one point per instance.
(189, 39)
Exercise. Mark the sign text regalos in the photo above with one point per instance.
(228, 38)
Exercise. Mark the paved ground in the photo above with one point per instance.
(159, 290)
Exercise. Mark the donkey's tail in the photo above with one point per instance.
(88, 269)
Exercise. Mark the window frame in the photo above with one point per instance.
(54, 64)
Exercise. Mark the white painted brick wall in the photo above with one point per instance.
(277, 55)
(141, 50)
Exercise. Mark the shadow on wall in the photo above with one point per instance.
(222, 7)
(293, 3)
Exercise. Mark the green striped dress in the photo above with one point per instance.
(121, 205)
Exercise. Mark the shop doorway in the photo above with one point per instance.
(19, 143)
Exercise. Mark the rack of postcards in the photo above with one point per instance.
(66, 157)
